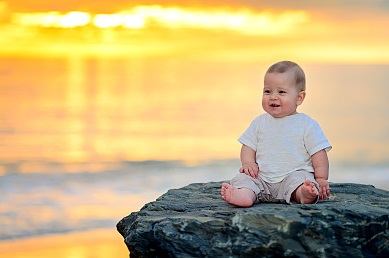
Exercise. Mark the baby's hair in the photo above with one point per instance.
(285, 66)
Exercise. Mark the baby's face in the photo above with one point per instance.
(280, 95)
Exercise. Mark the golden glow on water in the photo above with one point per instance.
(94, 243)
(79, 111)
(103, 111)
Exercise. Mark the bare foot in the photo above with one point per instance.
(240, 197)
(306, 193)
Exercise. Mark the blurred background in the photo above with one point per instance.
(104, 106)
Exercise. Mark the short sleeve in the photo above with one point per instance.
(250, 136)
(314, 138)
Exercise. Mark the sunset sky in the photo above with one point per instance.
(100, 6)
(309, 31)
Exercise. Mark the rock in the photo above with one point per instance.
(195, 221)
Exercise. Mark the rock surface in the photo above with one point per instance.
(194, 221)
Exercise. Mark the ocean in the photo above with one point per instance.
(57, 203)
(86, 141)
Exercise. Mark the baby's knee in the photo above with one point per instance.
(241, 177)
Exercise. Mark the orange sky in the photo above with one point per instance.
(334, 31)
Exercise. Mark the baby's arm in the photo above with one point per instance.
(321, 167)
(249, 166)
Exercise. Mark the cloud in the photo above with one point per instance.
(344, 31)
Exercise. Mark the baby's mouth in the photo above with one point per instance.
(274, 105)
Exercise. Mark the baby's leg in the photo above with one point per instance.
(242, 197)
(306, 193)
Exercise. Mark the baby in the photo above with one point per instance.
(284, 153)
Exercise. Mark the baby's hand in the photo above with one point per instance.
(250, 169)
(324, 188)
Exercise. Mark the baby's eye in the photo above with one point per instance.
(282, 91)
(266, 91)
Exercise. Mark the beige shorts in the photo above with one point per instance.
(274, 192)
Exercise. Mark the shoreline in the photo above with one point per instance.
(97, 243)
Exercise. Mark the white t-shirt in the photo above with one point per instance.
(284, 145)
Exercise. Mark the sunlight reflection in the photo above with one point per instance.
(99, 243)
(76, 92)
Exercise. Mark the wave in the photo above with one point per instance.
(59, 202)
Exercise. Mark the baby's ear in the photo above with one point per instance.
(301, 98)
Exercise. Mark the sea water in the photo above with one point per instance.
(75, 131)
(45, 203)
(55, 203)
